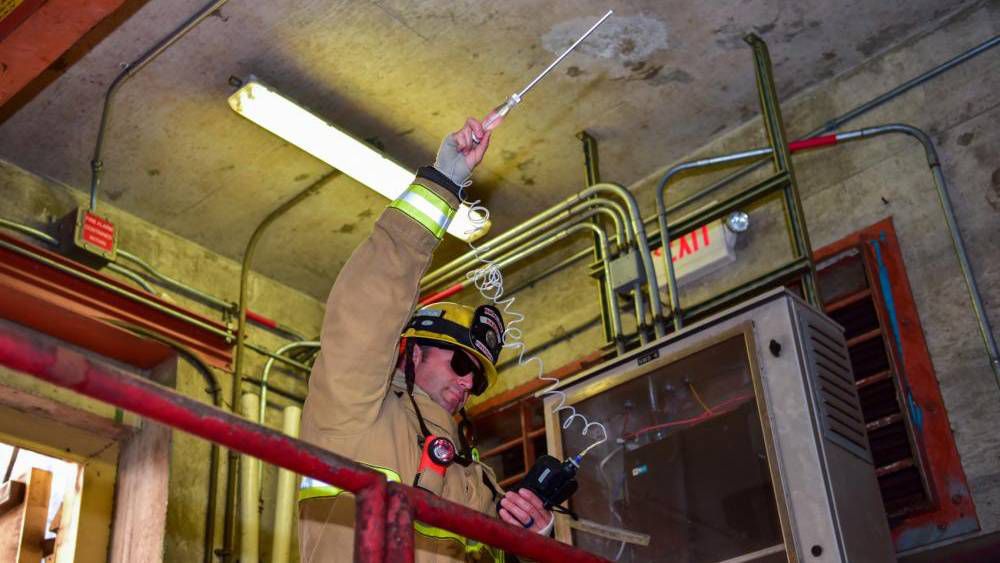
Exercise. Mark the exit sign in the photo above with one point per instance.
(696, 254)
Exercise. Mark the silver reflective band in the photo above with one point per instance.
(430, 211)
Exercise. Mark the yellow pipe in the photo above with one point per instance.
(249, 485)
(285, 502)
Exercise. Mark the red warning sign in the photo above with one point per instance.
(97, 231)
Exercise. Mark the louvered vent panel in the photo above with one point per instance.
(833, 384)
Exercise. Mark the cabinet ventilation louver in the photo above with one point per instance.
(836, 394)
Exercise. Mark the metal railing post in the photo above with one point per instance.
(399, 543)
(369, 522)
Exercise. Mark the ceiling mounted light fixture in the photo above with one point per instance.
(266, 107)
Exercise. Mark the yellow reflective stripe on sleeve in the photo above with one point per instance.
(314, 488)
(426, 208)
(319, 492)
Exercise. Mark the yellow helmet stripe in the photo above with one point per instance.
(426, 208)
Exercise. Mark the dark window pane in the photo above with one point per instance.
(857, 318)
(537, 410)
(879, 400)
(692, 473)
(902, 491)
(540, 446)
(497, 428)
(890, 444)
(841, 275)
(508, 463)
(868, 358)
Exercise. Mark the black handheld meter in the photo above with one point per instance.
(551, 480)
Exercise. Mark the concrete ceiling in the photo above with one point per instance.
(658, 80)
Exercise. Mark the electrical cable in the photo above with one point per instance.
(488, 280)
(712, 413)
(602, 468)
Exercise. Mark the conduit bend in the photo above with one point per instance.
(940, 185)
(128, 71)
(531, 235)
(523, 232)
(634, 221)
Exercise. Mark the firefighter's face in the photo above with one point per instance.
(433, 372)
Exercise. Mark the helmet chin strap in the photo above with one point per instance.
(464, 456)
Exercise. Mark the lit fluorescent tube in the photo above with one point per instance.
(293, 123)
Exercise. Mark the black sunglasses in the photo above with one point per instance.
(463, 364)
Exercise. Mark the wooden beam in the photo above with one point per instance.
(140, 519)
(62, 413)
(22, 530)
(49, 32)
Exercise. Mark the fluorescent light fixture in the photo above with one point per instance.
(359, 160)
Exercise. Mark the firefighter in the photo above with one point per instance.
(388, 382)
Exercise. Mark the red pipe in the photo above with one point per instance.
(812, 143)
(261, 320)
(47, 361)
(471, 524)
(443, 294)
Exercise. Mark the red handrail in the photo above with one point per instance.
(378, 501)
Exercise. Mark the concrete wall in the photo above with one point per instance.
(843, 189)
(847, 188)
(35, 201)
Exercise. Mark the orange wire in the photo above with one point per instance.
(697, 397)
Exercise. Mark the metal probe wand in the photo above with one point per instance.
(503, 109)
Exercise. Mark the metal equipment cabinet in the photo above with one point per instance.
(739, 438)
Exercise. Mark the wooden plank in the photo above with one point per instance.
(509, 444)
(847, 301)
(610, 532)
(22, 530)
(894, 467)
(11, 495)
(865, 337)
(884, 421)
(62, 413)
(140, 517)
(873, 379)
(512, 480)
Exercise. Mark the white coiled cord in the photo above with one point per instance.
(489, 281)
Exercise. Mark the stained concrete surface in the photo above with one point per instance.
(660, 78)
(843, 189)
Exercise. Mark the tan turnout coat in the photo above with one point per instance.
(354, 409)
